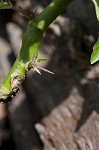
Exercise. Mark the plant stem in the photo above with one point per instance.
(50, 13)
(30, 43)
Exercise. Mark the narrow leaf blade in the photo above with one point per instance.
(41, 59)
(96, 3)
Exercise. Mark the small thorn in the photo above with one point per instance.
(45, 70)
(37, 70)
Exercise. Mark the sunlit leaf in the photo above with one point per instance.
(95, 53)
(96, 3)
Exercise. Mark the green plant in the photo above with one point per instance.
(28, 56)
(5, 5)
(95, 53)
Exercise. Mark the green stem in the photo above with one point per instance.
(30, 43)
(50, 13)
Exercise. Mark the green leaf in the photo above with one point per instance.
(96, 3)
(95, 53)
